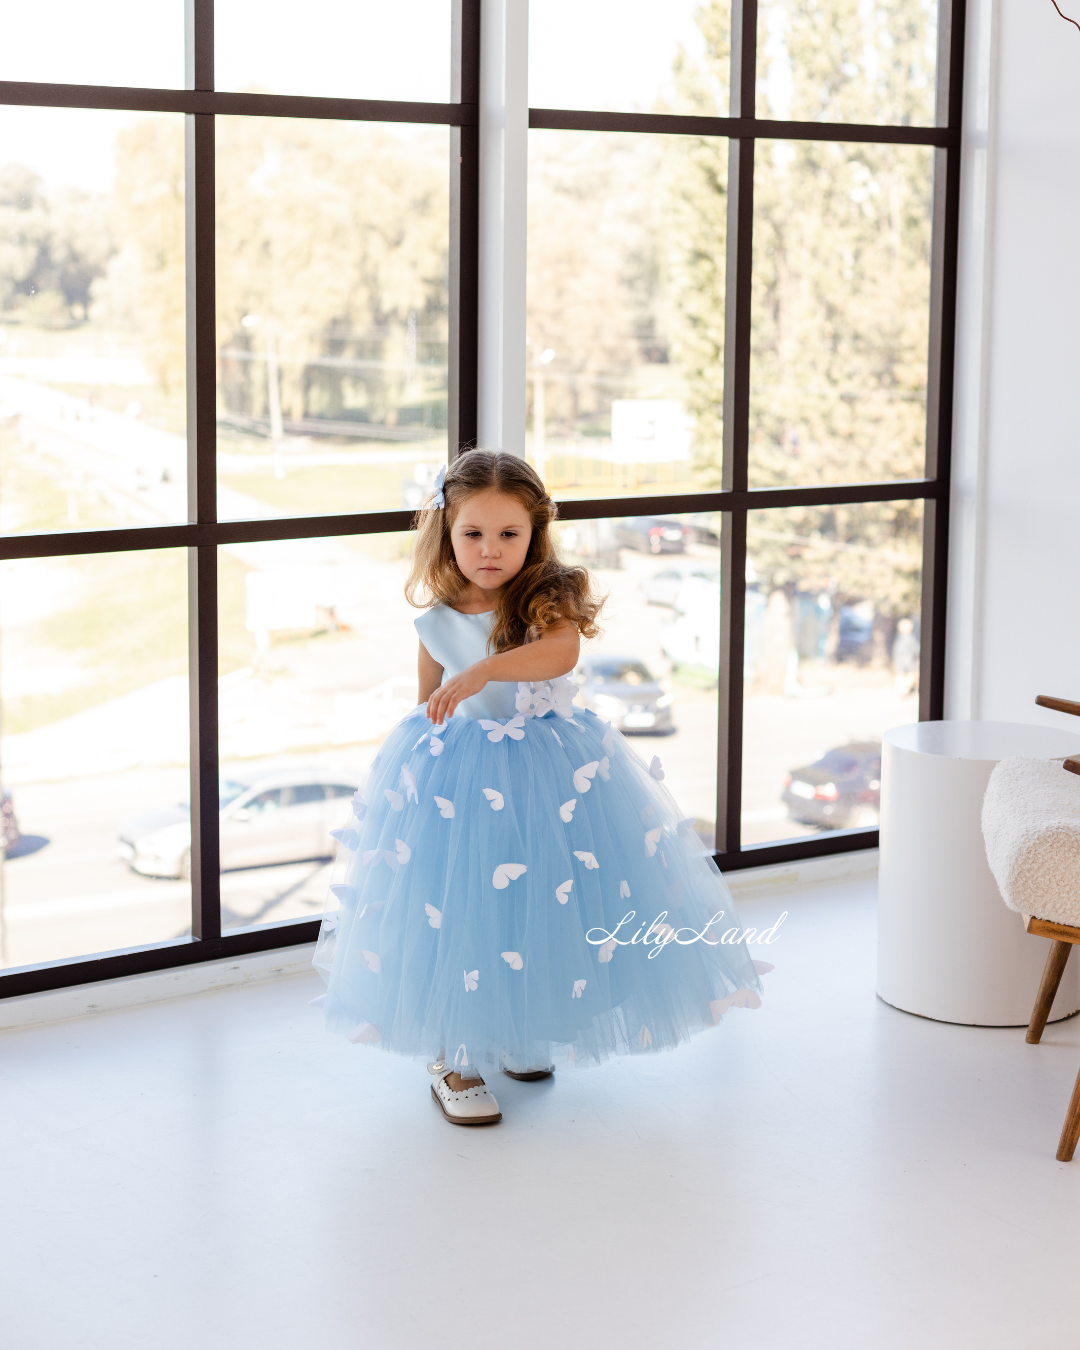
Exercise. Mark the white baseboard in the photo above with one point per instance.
(58, 1005)
(753, 880)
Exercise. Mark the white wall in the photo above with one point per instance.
(1015, 554)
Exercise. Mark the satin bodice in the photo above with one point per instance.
(458, 641)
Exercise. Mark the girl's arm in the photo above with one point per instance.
(554, 653)
(429, 674)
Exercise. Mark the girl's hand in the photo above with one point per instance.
(445, 699)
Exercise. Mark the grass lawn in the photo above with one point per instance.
(328, 490)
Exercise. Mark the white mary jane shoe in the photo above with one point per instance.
(473, 1105)
(525, 1073)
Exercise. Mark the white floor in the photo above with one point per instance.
(823, 1172)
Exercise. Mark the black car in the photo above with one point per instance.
(652, 534)
(841, 791)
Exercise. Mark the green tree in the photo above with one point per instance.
(53, 246)
(840, 291)
(143, 290)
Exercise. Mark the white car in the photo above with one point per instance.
(665, 587)
(267, 817)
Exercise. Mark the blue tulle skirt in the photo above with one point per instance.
(525, 886)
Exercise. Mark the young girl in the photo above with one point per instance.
(516, 878)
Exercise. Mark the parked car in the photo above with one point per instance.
(664, 588)
(9, 825)
(840, 791)
(622, 690)
(652, 534)
(267, 817)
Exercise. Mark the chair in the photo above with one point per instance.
(1031, 825)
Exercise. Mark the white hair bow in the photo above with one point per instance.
(439, 501)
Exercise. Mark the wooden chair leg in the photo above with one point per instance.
(1052, 973)
(1070, 1131)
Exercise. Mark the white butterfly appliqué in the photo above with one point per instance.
(495, 798)
(330, 925)
(409, 783)
(604, 769)
(374, 964)
(505, 873)
(652, 838)
(373, 856)
(359, 806)
(555, 734)
(341, 892)
(515, 729)
(562, 893)
(566, 811)
(579, 985)
(624, 890)
(446, 807)
(589, 859)
(645, 1038)
(346, 838)
(685, 828)
(471, 976)
(607, 951)
(763, 967)
(367, 1033)
(584, 774)
(436, 746)
(396, 800)
(656, 769)
(512, 959)
(609, 741)
(434, 916)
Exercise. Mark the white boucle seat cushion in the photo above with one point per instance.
(1031, 826)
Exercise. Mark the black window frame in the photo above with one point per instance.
(200, 102)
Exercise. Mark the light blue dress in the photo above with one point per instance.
(520, 880)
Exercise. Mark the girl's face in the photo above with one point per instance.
(490, 538)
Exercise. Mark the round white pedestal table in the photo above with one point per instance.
(948, 947)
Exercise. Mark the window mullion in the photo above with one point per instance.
(202, 479)
(464, 230)
(740, 230)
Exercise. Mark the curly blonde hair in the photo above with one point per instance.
(544, 592)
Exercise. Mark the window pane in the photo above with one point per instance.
(318, 662)
(625, 312)
(841, 307)
(333, 242)
(847, 61)
(653, 671)
(832, 661)
(93, 676)
(338, 48)
(630, 55)
(120, 42)
(92, 362)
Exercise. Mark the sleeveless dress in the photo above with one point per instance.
(519, 880)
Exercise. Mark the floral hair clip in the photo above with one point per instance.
(439, 501)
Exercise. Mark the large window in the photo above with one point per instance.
(239, 278)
